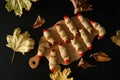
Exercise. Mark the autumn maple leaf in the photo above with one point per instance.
(116, 38)
(20, 42)
(58, 75)
(18, 5)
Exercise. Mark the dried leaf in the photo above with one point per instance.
(116, 38)
(80, 6)
(39, 22)
(84, 64)
(20, 42)
(17, 6)
(58, 75)
(100, 57)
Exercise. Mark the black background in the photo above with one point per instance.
(106, 12)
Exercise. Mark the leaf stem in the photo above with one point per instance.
(13, 57)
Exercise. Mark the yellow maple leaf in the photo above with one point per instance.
(17, 6)
(20, 42)
(116, 38)
(58, 75)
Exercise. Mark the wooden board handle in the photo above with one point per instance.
(34, 62)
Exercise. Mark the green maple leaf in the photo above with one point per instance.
(18, 5)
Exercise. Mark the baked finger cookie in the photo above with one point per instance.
(67, 41)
